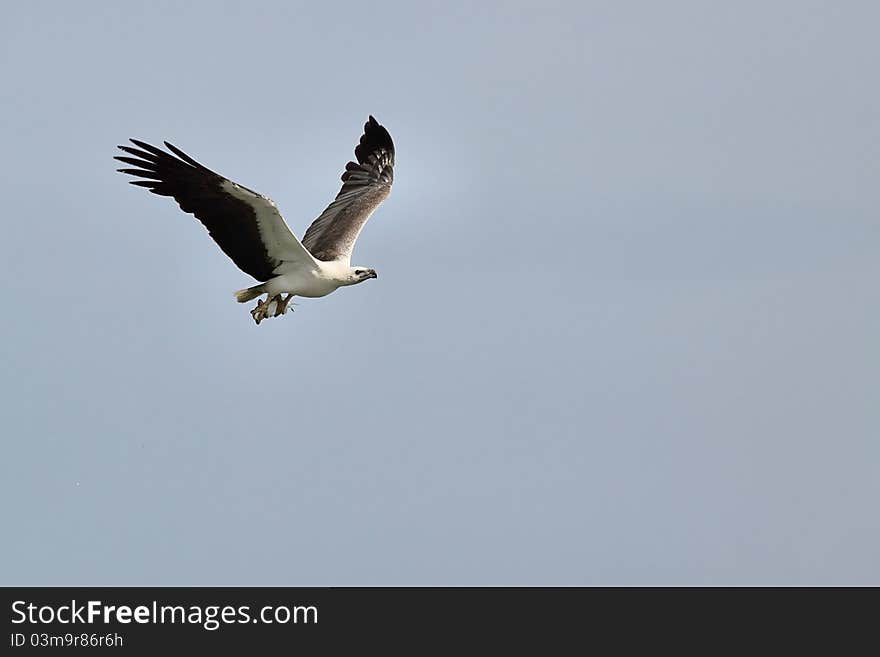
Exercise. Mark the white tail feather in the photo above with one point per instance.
(245, 295)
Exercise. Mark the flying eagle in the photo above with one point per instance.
(249, 229)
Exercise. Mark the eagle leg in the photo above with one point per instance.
(281, 304)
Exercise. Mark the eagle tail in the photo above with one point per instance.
(245, 295)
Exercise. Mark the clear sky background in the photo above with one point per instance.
(624, 331)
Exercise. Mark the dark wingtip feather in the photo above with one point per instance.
(142, 173)
(183, 156)
(140, 163)
(375, 137)
(142, 154)
(149, 148)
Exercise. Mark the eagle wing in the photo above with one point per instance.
(365, 184)
(245, 225)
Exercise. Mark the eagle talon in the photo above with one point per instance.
(260, 311)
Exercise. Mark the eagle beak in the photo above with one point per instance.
(373, 274)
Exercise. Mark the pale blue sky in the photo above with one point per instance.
(624, 331)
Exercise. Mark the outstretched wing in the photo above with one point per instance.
(365, 184)
(246, 225)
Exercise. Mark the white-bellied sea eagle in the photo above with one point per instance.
(249, 229)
